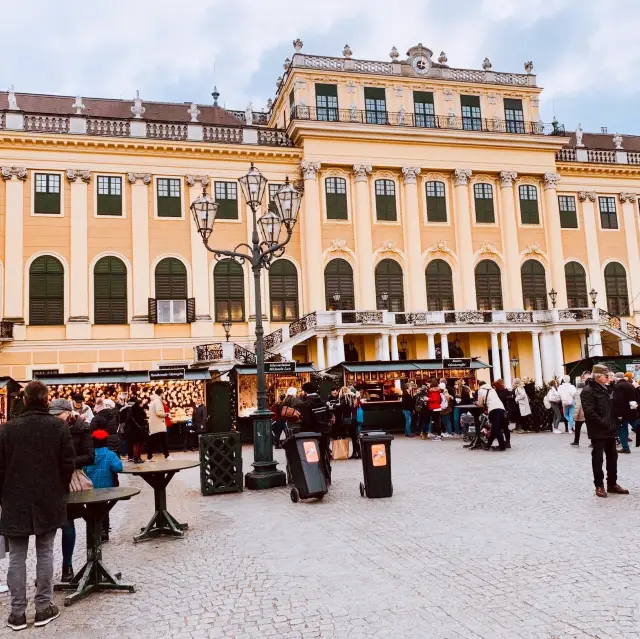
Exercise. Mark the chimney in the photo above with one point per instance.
(603, 129)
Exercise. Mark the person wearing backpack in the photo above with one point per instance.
(435, 407)
(489, 399)
(317, 418)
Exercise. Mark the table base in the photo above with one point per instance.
(93, 577)
(162, 523)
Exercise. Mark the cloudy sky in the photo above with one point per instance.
(585, 51)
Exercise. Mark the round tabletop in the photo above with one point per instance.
(159, 466)
(98, 495)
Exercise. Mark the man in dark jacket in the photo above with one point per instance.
(602, 429)
(36, 464)
(316, 418)
(624, 406)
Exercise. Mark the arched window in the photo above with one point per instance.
(488, 286)
(615, 283)
(228, 291)
(576, 282)
(170, 303)
(389, 285)
(534, 286)
(338, 280)
(110, 291)
(283, 291)
(46, 291)
(439, 286)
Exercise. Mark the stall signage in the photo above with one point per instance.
(456, 363)
(115, 369)
(44, 372)
(280, 367)
(167, 373)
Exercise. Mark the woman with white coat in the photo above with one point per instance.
(553, 401)
(522, 402)
(567, 395)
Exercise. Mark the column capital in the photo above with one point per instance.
(583, 196)
(361, 172)
(410, 174)
(192, 180)
(628, 197)
(551, 180)
(74, 174)
(309, 169)
(8, 172)
(507, 178)
(462, 176)
(134, 177)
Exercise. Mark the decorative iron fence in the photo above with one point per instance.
(362, 317)
(208, 352)
(468, 317)
(303, 324)
(607, 319)
(243, 355)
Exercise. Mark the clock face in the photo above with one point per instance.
(421, 64)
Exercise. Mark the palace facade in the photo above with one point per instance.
(440, 217)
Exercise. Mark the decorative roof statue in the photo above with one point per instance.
(579, 134)
(215, 94)
(528, 66)
(393, 54)
(269, 104)
(442, 59)
(286, 64)
(486, 64)
(137, 109)
(297, 45)
(194, 112)
(13, 103)
(78, 105)
(248, 114)
(617, 140)
(347, 52)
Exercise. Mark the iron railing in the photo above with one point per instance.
(424, 121)
(257, 116)
(608, 319)
(208, 352)
(468, 317)
(303, 324)
(273, 137)
(362, 317)
(272, 340)
(6, 330)
(242, 355)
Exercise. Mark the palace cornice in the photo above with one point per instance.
(600, 170)
(21, 141)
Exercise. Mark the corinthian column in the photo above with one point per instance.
(311, 239)
(464, 244)
(364, 242)
(411, 230)
(510, 241)
(628, 201)
(554, 237)
(588, 199)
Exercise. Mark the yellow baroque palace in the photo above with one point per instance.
(440, 217)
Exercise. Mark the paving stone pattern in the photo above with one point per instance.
(472, 545)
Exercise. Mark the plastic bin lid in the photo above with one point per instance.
(380, 435)
(306, 435)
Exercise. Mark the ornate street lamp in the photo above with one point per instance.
(403, 345)
(514, 363)
(593, 294)
(553, 294)
(266, 243)
(384, 296)
(226, 326)
(336, 300)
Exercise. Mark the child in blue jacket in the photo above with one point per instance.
(102, 472)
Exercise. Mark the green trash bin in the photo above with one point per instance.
(375, 447)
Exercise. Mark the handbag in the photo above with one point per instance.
(340, 449)
(290, 414)
(79, 481)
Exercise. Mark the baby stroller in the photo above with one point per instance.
(474, 434)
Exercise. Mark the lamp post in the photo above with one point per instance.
(514, 362)
(553, 294)
(593, 294)
(226, 326)
(265, 244)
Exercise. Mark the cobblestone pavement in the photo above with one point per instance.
(472, 545)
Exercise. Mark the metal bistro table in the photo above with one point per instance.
(94, 575)
(158, 475)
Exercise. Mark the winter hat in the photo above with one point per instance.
(99, 438)
(309, 387)
(100, 405)
(599, 369)
(58, 406)
(566, 379)
(619, 376)
(109, 403)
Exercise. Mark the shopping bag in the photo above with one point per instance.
(340, 449)
(79, 481)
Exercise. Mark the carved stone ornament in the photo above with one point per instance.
(361, 172)
(399, 91)
(353, 112)
(78, 105)
(134, 177)
(486, 64)
(551, 180)
(286, 64)
(9, 172)
(442, 59)
(351, 86)
(533, 249)
(507, 178)
(278, 82)
(269, 104)
(248, 114)
(448, 95)
(338, 245)
(393, 54)
(74, 174)
(488, 248)
(493, 99)
(297, 45)
(389, 247)
(402, 114)
(628, 197)
(309, 169)
(137, 109)
(347, 52)
(579, 134)
(194, 112)
(440, 246)
(410, 174)
(583, 196)
(617, 140)
(452, 119)
(535, 102)
(528, 66)
(192, 180)
(13, 103)
(462, 176)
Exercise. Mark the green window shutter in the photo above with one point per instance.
(109, 195)
(568, 212)
(615, 283)
(439, 286)
(436, 202)
(488, 286)
(529, 204)
(338, 277)
(576, 282)
(386, 200)
(226, 195)
(228, 287)
(47, 189)
(388, 277)
(283, 291)
(191, 310)
(483, 197)
(110, 291)
(171, 280)
(169, 197)
(336, 198)
(534, 286)
(608, 215)
(153, 310)
(46, 291)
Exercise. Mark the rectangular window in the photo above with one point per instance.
(423, 107)
(169, 201)
(172, 311)
(109, 195)
(375, 105)
(47, 194)
(608, 215)
(436, 202)
(336, 194)
(513, 115)
(568, 212)
(529, 204)
(227, 199)
(386, 201)
(273, 189)
(471, 117)
(483, 196)
(327, 102)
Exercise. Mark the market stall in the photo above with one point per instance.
(9, 390)
(617, 364)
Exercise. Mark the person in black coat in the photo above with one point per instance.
(108, 419)
(136, 429)
(625, 408)
(36, 465)
(602, 430)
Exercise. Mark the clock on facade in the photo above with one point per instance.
(420, 64)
